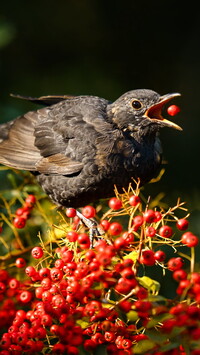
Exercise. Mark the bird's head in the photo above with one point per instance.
(141, 111)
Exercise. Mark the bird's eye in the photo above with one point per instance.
(136, 104)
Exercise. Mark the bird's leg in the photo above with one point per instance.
(95, 231)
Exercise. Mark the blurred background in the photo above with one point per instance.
(106, 48)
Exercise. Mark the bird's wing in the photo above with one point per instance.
(18, 148)
(51, 140)
(44, 100)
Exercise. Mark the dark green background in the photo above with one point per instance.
(106, 48)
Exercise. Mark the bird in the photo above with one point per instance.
(80, 147)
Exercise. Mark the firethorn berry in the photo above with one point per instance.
(175, 263)
(14, 283)
(195, 277)
(105, 224)
(165, 231)
(37, 252)
(149, 216)
(115, 228)
(173, 110)
(83, 238)
(70, 212)
(182, 224)
(115, 203)
(30, 271)
(150, 232)
(160, 255)
(179, 275)
(19, 222)
(25, 296)
(137, 222)
(56, 274)
(119, 243)
(128, 237)
(89, 211)
(2, 287)
(20, 262)
(158, 216)
(147, 257)
(189, 239)
(72, 236)
(134, 200)
(30, 201)
(44, 272)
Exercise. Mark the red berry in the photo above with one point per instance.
(4, 275)
(90, 254)
(14, 283)
(89, 345)
(134, 200)
(71, 212)
(182, 224)
(89, 211)
(175, 264)
(165, 231)
(2, 287)
(119, 243)
(158, 216)
(149, 216)
(20, 262)
(19, 222)
(72, 236)
(137, 222)
(115, 203)
(173, 110)
(56, 274)
(147, 257)
(30, 201)
(128, 237)
(105, 224)
(37, 252)
(58, 348)
(30, 271)
(189, 239)
(84, 240)
(25, 296)
(195, 277)
(150, 232)
(126, 344)
(159, 255)
(179, 275)
(115, 228)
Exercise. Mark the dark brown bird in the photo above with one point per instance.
(79, 147)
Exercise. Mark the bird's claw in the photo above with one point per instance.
(95, 231)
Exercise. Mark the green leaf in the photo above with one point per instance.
(84, 324)
(150, 284)
(158, 319)
(156, 336)
(143, 346)
(171, 345)
(133, 255)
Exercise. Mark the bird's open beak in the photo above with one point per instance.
(154, 113)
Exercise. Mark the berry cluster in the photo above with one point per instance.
(23, 213)
(73, 299)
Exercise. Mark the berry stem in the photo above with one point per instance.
(142, 237)
(192, 262)
(5, 219)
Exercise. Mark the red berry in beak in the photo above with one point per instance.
(173, 110)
